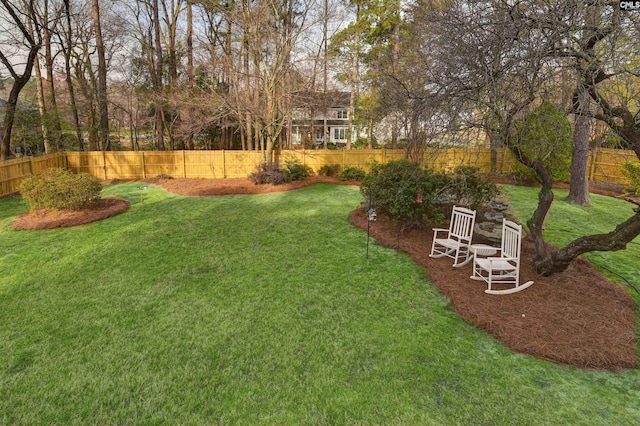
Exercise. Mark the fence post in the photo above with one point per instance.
(224, 164)
(144, 167)
(4, 184)
(592, 166)
(184, 164)
(104, 165)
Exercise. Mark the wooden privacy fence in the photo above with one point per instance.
(235, 164)
(604, 164)
(13, 171)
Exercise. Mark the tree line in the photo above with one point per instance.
(189, 73)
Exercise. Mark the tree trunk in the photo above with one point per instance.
(325, 110)
(67, 67)
(54, 114)
(558, 260)
(102, 78)
(158, 77)
(547, 260)
(42, 110)
(19, 80)
(248, 94)
(87, 89)
(190, 72)
(394, 69)
(579, 186)
(12, 101)
(352, 99)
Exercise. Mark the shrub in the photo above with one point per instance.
(329, 170)
(394, 188)
(353, 173)
(546, 135)
(58, 189)
(467, 188)
(297, 171)
(269, 174)
(632, 172)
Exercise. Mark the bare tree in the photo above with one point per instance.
(102, 77)
(66, 41)
(50, 18)
(8, 55)
(40, 96)
(484, 46)
(270, 31)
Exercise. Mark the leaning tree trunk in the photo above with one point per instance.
(558, 260)
(548, 260)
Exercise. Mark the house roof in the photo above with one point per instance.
(318, 100)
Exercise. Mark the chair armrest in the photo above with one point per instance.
(503, 259)
(436, 230)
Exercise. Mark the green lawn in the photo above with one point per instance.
(256, 309)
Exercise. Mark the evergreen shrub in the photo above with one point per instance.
(356, 174)
(295, 170)
(546, 135)
(395, 189)
(329, 170)
(59, 189)
(631, 170)
(467, 188)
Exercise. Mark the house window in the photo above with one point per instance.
(343, 114)
(339, 134)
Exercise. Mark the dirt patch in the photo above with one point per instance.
(577, 318)
(47, 219)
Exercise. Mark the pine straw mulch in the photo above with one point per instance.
(577, 318)
(48, 219)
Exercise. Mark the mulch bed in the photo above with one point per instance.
(578, 318)
(47, 219)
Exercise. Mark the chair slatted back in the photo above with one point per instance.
(462, 221)
(511, 236)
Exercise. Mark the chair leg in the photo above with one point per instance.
(467, 257)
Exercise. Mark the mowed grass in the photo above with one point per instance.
(256, 309)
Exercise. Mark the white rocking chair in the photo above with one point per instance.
(455, 241)
(504, 269)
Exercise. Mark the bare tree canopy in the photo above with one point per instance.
(496, 61)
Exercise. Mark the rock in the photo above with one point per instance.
(489, 220)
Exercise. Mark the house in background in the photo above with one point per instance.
(311, 110)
